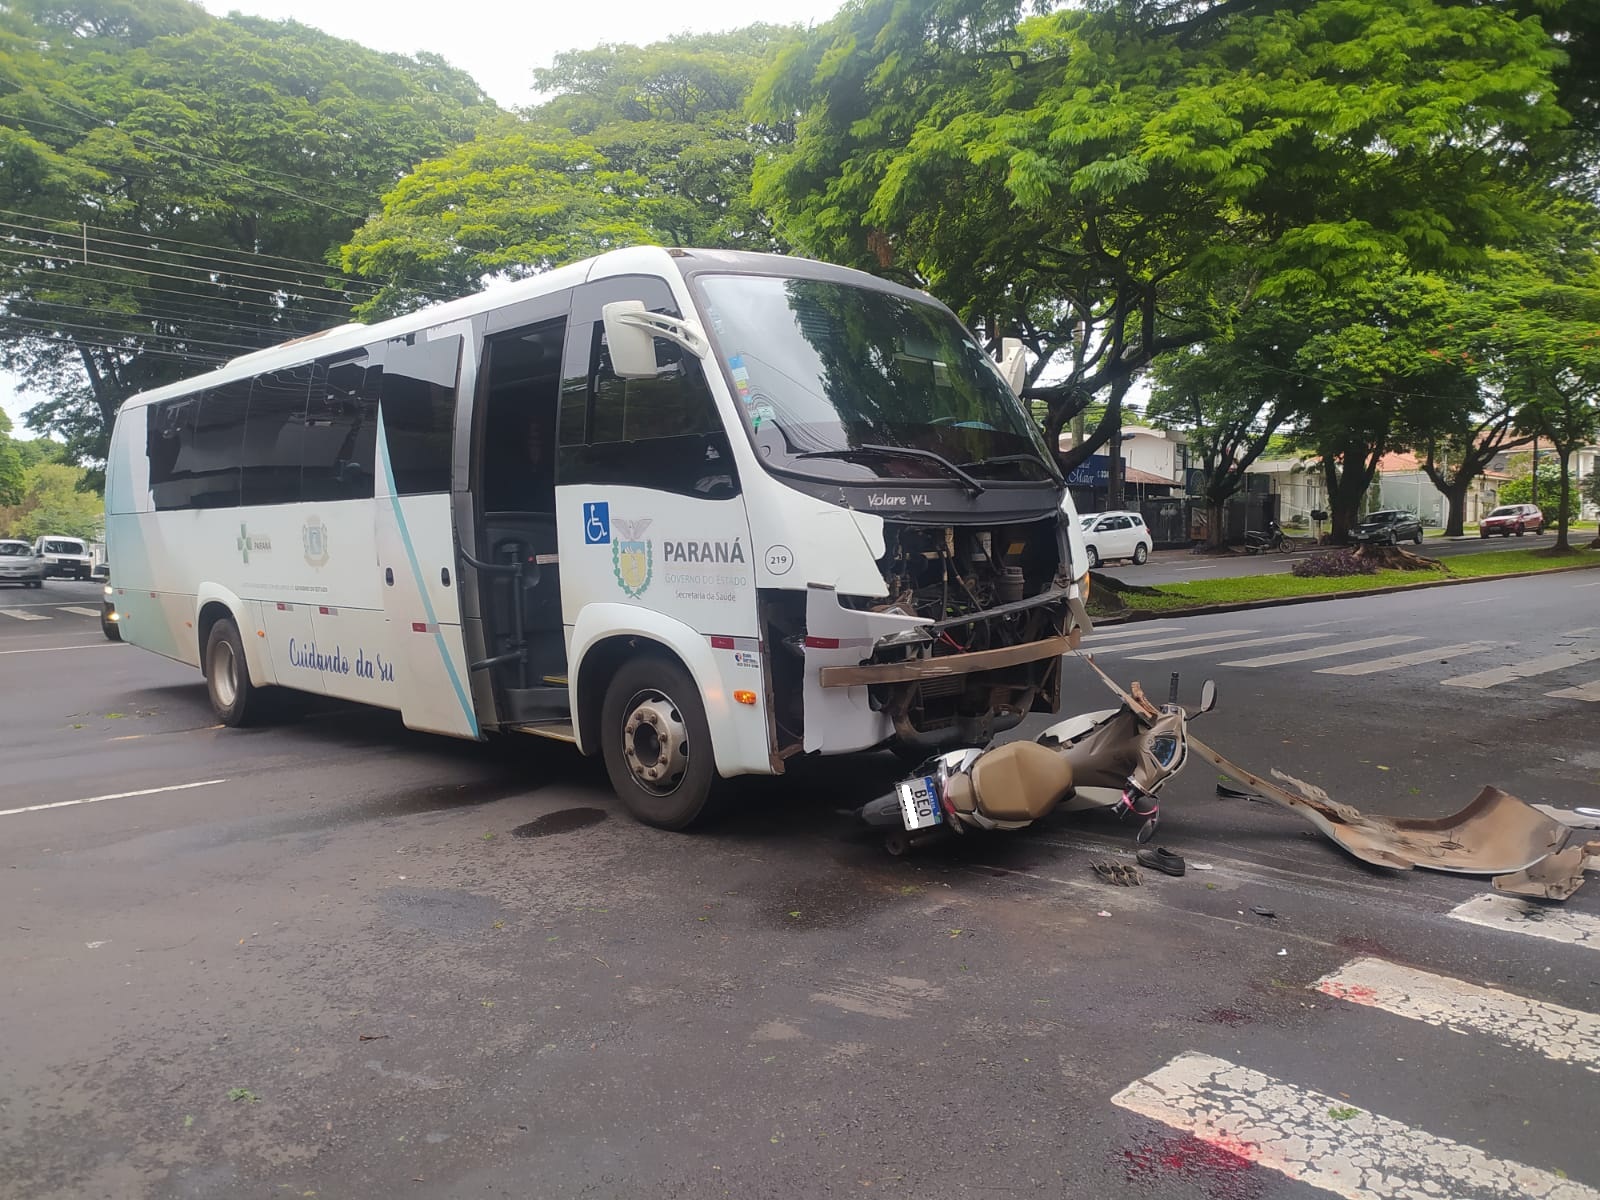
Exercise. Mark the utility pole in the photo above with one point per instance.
(1536, 469)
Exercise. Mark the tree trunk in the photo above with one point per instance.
(1455, 497)
(1214, 511)
(1562, 545)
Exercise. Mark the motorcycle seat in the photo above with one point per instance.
(1020, 781)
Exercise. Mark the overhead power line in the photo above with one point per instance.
(84, 253)
(80, 235)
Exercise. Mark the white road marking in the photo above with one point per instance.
(1138, 630)
(176, 787)
(1483, 599)
(1412, 659)
(1291, 656)
(18, 614)
(47, 649)
(1526, 916)
(1522, 670)
(1190, 652)
(1584, 691)
(82, 612)
(1561, 1034)
(1176, 640)
(1584, 585)
(1325, 1142)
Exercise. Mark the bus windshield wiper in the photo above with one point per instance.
(973, 487)
(996, 459)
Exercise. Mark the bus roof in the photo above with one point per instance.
(633, 260)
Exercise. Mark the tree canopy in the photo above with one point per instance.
(1085, 178)
(174, 184)
(637, 144)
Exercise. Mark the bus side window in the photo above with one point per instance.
(218, 440)
(418, 398)
(663, 432)
(169, 444)
(273, 437)
(341, 438)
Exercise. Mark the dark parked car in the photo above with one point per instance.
(1388, 528)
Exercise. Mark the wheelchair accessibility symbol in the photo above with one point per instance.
(597, 523)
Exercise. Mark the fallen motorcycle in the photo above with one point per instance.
(1118, 759)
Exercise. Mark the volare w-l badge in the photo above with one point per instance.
(632, 561)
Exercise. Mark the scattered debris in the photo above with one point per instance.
(1283, 954)
(371, 1037)
(1263, 912)
(1117, 873)
(1163, 860)
(1102, 913)
(1496, 834)
(1553, 878)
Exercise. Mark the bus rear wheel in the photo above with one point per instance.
(234, 699)
(656, 742)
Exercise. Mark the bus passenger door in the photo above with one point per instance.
(415, 534)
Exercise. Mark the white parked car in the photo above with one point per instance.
(1115, 535)
(20, 565)
(66, 557)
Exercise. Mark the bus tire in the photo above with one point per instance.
(656, 742)
(234, 699)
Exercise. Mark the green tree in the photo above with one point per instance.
(11, 465)
(1231, 395)
(637, 144)
(53, 502)
(1085, 179)
(175, 183)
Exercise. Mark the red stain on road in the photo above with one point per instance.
(1225, 1166)
(1356, 993)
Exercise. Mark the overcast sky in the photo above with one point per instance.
(499, 44)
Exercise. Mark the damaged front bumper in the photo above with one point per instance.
(872, 676)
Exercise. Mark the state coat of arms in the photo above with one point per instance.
(631, 559)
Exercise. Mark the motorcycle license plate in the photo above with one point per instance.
(919, 803)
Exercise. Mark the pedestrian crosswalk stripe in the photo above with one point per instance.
(1290, 656)
(1525, 916)
(1522, 670)
(1412, 659)
(80, 610)
(1561, 1034)
(1152, 643)
(1324, 1141)
(1138, 629)
(1584, 691)
(22, 615)
(1192, 651)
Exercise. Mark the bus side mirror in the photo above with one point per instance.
(631, 331)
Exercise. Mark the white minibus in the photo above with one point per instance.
(695, 511)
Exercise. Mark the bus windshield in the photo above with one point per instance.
(833, 379)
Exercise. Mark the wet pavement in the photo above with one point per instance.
(349, 960)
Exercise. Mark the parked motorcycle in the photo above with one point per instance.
(1118, 759)
(1271, 538)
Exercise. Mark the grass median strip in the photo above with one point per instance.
(1243, 589)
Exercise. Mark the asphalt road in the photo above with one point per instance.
(334, 958)
(1179, 566)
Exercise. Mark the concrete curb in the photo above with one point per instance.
(1281, 601)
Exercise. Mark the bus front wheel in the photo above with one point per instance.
(656, 742)
(235, 700)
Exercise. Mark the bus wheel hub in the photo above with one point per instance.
(655, 742)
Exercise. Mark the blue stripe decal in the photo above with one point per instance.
(416, 574)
